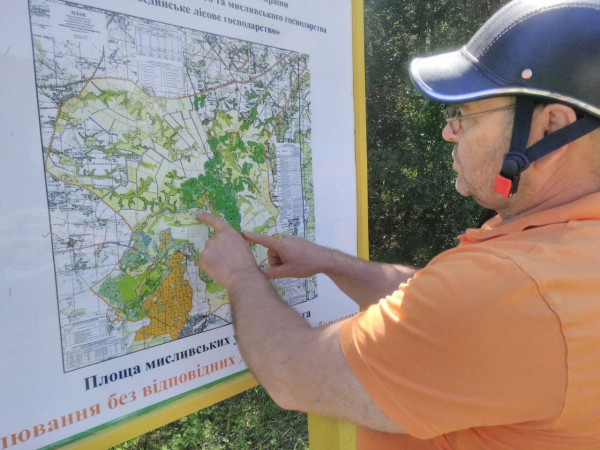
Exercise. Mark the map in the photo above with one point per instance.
(144, 123)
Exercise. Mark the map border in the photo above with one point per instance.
(106, 11)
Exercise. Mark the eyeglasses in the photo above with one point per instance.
(454, 116)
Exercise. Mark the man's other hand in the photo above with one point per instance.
(292, 256)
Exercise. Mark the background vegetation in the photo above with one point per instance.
(414, 211)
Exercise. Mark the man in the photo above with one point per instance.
(496, 343)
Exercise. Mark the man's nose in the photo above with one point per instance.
(448, 134)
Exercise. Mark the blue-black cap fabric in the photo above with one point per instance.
(543, 48)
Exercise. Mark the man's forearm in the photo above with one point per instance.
(265, 326)
(366, 282)
(301, 368)
(363, 281)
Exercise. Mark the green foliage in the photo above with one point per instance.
(215, 187)
(248, 421)
(414, 210)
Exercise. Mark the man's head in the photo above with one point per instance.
(534, 54)
(481, 133)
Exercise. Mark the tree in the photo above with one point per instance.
(414, 210)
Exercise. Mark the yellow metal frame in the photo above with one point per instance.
(360, 127)
(324, 433)
(162, 415)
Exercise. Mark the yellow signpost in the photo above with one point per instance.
(76, 23)
(324, 433)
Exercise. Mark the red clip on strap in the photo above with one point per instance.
(503, 186)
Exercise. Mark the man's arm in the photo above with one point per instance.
(302, 368)
(363, 281)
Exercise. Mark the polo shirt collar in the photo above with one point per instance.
(584, 208)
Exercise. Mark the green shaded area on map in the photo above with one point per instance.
(234, 175)
(136, 139)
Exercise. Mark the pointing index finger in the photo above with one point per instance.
(212, 221)
(262, 239)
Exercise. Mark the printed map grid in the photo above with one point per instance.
(131, 151)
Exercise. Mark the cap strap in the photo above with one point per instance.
(561, 137)
(519, 157)
(516, 161)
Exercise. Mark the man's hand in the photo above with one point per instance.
(301, 367)
(292, 256)
(226, 257)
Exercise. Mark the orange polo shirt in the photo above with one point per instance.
(494, 344)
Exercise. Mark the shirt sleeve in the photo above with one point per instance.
(469, 342)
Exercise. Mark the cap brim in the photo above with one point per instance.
(453, 77)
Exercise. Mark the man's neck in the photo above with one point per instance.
(551, 200)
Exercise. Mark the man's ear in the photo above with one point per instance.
(546, 120)
(556, 116)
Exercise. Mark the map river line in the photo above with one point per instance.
(142, 124)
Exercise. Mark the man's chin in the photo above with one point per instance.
(461, 188)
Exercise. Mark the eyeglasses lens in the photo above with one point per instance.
(453, 117)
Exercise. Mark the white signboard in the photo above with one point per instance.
(120, 119)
